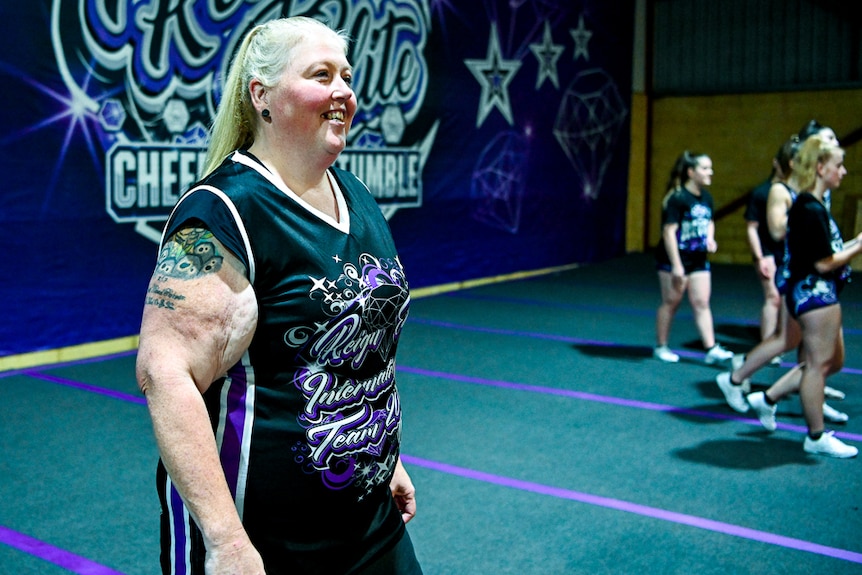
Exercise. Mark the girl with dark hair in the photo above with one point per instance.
(688, 235)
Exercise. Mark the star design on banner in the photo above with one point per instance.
(494, 75)
(547, 53)
(581, 36)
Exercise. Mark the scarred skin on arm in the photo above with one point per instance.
(199, 317)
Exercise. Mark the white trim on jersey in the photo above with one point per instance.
(238, 220)
(242, 476)
(342, 224)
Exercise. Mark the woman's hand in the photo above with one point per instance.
(237, 557)
(403, 492)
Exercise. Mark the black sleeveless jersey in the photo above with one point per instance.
(308, 422)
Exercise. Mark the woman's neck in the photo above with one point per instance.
(296, 173)
(819, 190)
(793, 183)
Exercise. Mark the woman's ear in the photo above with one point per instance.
(259, 97)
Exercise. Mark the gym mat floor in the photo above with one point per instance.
(542, 437)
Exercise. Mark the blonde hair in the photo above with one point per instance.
(264, 53)
(813, 151)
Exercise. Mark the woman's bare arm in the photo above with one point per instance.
(198, 320)
(777, 204)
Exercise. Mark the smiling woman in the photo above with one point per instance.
(688, 236)
(269, 334)
(311, 107)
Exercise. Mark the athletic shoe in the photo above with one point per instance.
(736, 362)
(829, 445)
(716, 354)
(732, 393)
(664, 353)
(832, 393)
(833, 415)
(765, 412)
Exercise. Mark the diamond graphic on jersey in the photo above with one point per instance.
(381, 307)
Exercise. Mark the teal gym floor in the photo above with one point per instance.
(541, 435)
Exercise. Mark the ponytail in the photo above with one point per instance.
(232, 126)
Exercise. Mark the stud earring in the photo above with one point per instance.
(265, 113)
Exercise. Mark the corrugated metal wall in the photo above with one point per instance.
(744, 46)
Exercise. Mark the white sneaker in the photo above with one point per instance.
(732, 393)
(829, 445)
(833, 415)
(832, 393)
(716, 354)
(765, 412)
(664, 353)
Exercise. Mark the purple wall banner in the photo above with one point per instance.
(494, 136)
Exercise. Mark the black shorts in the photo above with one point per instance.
(691, 262)
(400, 560)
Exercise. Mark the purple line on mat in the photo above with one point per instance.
(499, 331)
(557, 305)
(461, 294)
(643, 510)
(86, 387)
(61, 558)
(491, 383)
(607, 399)
(575, 340)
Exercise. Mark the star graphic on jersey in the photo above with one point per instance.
(365, 470)
(547, 53)
(319, 284)
(494, 75)
(581, 36)
(383, 467)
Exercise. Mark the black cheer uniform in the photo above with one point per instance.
(693, 214)
(308, 422)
